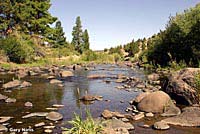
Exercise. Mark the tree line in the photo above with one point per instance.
(26, 25)
(178, 44)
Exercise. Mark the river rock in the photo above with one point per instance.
(28, 104)
(190, 117)
(21, 73)
(51, 77)
(76, 67)
(153, 77)
(5, 119)
(48, 131)
(39, 114)
(3, 97)
(138, 116)
(40, 124)
(49, 127)
(10, 100)
(149, 114)
(91, 98)
(155, 102)
(54, 116)
(55, 81)
(161, 126)
(116, 123)
(3, 128)
(66, 74)
(58, 105)
(180, 86)
(12, 84)
(96, 76)
(25, 84)
(109, 114)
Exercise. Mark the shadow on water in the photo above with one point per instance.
(43, 95)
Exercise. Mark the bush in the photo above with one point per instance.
(197, 81)
(89, 56)
(17, 50)
(80, 126)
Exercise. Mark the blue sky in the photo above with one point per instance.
(114, 22)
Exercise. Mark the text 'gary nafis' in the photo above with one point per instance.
(18, 130)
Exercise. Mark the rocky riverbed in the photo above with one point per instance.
(42, 99)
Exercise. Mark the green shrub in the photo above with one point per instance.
(89, 56)
(17, 50)
(197, 81)
(80, 126)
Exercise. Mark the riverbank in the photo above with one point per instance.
(62, 89)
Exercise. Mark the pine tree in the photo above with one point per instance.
(6, 17)
(29, 16)
(86, 40)
(77, 34)
(59, 37)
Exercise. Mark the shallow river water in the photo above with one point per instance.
(43, 95)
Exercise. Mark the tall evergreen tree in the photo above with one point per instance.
(59, 37)
(77, 34)
(86, 40)
(30, 16)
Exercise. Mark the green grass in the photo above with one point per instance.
(94, 57)
(80, 126)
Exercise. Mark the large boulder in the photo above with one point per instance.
(188, 118)
(180, 86)
(156, 102)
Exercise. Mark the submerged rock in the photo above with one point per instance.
(28, 104)
(25, 84)
(55, 81)
(91, 98)
(48, 131)
(66, 74)
(161, 126)
(96, 76)
(116, 123)
(39, 114)
(54, 116)
(40, 124)
(3, 97)
(10, 100)
(12, 84)
(5, 119)
(16, 84)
